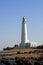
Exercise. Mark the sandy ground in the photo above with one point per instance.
(22, 55)
(14, 51)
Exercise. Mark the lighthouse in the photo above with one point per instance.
(24, 38)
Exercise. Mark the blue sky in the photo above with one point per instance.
(11, 13)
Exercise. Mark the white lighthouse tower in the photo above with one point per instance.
(24, 38)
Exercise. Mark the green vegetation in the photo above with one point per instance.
(18, 47)
(40, 47)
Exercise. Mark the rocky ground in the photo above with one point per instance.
(22, 57)
(22, 61)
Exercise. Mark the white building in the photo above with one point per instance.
(24, 39)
